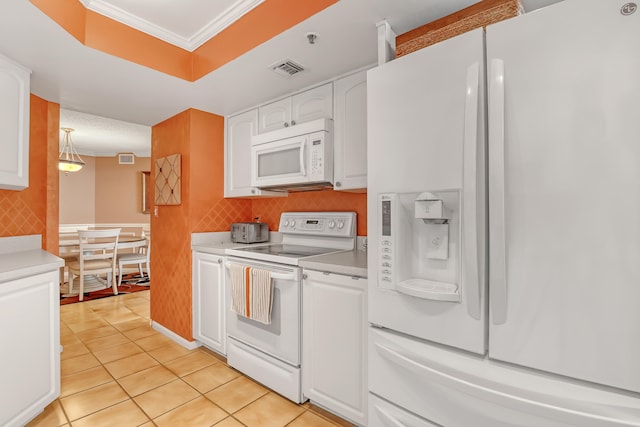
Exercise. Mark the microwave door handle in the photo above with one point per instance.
(302, 157)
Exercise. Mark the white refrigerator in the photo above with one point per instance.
(504, 225)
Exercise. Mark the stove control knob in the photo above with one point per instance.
(286, 223)
(293, 222)
(341, 224)
(332, 224)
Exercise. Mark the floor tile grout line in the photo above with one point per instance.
(130, 398)
(91, 312)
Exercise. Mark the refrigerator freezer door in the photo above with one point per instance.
(425, 116)
(458, 389)
(564, 176)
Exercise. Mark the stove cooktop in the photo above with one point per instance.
(292, 251)
(305, 234)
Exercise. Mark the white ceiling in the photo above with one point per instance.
(98, 90)
(103, 137)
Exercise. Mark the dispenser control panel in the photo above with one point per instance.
(387, 249)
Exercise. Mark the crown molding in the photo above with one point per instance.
(215, 26)
(224, 20)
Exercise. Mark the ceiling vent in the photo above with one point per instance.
(126, 158)
(287, 68)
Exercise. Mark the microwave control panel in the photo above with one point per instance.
(316, 155)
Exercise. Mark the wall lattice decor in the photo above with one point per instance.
(168, 182)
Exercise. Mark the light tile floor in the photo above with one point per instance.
(118, 371)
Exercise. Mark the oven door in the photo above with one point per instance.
(281, 338)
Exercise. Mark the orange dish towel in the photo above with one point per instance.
(251, 292)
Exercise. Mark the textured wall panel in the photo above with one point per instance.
(269, 210)
(26, 212)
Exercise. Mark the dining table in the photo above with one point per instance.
(69, 246)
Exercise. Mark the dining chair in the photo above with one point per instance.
(139, 258)
(98, 254)
(67, 252)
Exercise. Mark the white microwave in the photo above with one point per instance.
(298, 157)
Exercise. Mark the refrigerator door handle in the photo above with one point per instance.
(497, 255)
(471, 280)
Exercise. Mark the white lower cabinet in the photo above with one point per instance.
(208, 301)
(30, 339)
(334, 361)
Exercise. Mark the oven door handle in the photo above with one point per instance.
(275, 275)
(281, 276)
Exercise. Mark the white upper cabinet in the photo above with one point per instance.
(275, 115)
(237, 156)
(350, 133)
(316, 103)
(14, 125)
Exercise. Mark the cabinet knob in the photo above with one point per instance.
(293, 122)
(304, 277)
(220, 261)
(286, 124)
(253, 191)
(338, 184)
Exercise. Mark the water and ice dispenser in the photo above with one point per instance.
(419, 244)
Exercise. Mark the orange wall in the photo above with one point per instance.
(170, 251)
(269, 210)
(199, 138)
(34, 210)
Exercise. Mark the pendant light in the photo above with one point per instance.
(69, 159)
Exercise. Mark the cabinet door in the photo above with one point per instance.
(237, 171)
(237, 152)
(14, 125)
(312, 104)
(334, 363)
(274, 116)
(350, 133)
(208, 301)
(30, 337)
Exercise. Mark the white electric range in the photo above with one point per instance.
(271, 354)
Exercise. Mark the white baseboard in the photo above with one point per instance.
(189, 345)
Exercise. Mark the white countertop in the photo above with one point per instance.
(217, 243)
(350, 263)
(16, 265)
